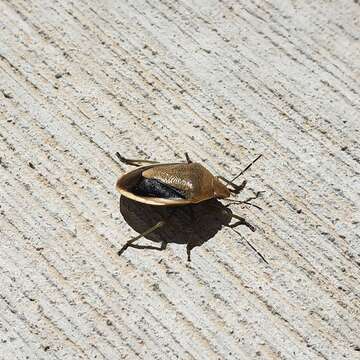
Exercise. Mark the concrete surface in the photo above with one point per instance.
(225, 81)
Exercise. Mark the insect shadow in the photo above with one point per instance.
(192, 225)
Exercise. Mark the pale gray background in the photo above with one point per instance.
(225, 81)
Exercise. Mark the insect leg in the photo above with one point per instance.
(162, 247)
(189, 246)
(134, 162)
(188, 251)
(233, 201)
(191, 242)
(241, 221)
(188, 158)
(237, 188)
(147, 232)
(257, 194)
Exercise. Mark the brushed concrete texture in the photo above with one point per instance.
(225, 81)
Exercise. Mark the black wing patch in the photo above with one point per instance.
(155, 188)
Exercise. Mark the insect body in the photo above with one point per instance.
(174, 184)
(171, 184)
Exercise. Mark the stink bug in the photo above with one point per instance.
(175, 184)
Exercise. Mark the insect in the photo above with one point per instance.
(175, 184)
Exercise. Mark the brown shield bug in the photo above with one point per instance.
(175, 184)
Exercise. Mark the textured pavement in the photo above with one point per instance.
(224, 81)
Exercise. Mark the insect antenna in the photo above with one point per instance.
(252, 247)
(134, 162)
(241, 172)
(238, 188)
